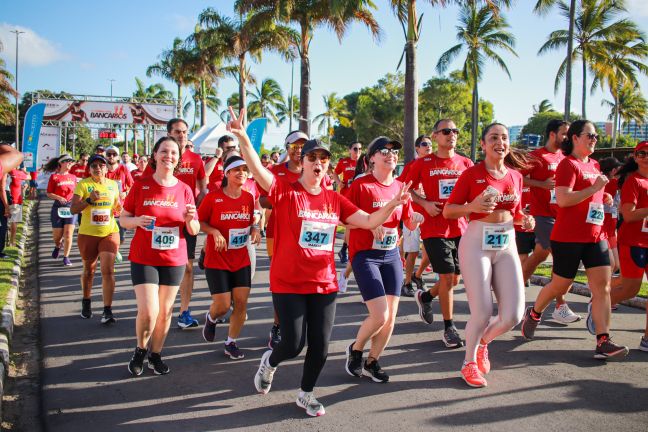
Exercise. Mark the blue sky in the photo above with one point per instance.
(78, 46)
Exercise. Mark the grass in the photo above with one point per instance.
(545, 270)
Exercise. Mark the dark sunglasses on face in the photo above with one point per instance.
(356, 149)
(641, 154)
(111, 154)
(97, 165)
(425, 144)
(229, 148)
(312, 157)
(591, 136)
(386, 151)
(448, 131)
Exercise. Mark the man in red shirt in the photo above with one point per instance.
(121, 174)
(543, 207)
(214, 167)
(80, 169)
(346, 169)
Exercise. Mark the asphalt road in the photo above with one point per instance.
(551, 383)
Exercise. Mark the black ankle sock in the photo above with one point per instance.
(448, 323)
(426, 297)
(344, 248)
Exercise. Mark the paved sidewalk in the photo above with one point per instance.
(551, 383)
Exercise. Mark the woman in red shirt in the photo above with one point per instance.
(227, 216)
(158, 209)
(60, 188)
(142, 161)
(489, 194)
(302, 272)
(577, 236)
(15, 209)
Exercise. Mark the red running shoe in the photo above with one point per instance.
(470, 373)
(482, 359)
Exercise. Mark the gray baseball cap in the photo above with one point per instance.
(314, 144)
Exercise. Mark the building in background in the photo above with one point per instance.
(514, 133)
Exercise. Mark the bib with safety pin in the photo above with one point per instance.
(496, 238)
(64, 212)
(595, 214)
(238, 238)
(317, 235)
(389, 240)
(165, 238)
(552, 199)
(445, 187)
(100, 217)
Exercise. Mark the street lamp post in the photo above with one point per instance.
(112, 140)
(18, 33)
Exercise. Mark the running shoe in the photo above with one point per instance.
(344, 258)
(275, 337)
(310, 404)
(209, 329)
(86, 308)
(420, 284)
(342, 282)
(589, 322)
(233, 351)
(118, 258)
(55, 252)
(67, 262)
(155, 362)
(353, 364)
(375, 372)
(483, 363)
(201, 260)
(428, 269)
(136, 364)
(643, 345)
(529, 324)
(407, 290)
(425, 309)
(185, 320)
(263, 377)
(608, 350)
(107, 316)
(451, 338)
(564, 315)
(614, 307)
(470, 373)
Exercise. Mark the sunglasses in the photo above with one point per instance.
(386, 151)
(425, 144)
(111, 154)
(294, 147)
(189, 145)
(591, 136)
(356, 149)
(229, 148)
(641, 154)
(448, 131)
(312, 157)
(97, 165)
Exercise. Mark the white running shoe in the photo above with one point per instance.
(342, 282)
(564, 315)
(263, 377)
(312, 406)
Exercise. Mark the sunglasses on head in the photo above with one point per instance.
(591, 136)
(386, 151)
(312, 157)
(641, 154)
(448, 131)
(294, 147)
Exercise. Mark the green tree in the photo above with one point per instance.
(631, 106)
(7, 110)
(335, 112)
(212, 102)
(173, 66)
(266, 99)
(284, 110)
(543, 106)
(480, 33)
(153, 91)
(538, 122)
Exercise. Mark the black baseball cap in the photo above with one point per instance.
(97, 157)
(314, 144)
(381, 143)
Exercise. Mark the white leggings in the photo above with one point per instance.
(482, 269)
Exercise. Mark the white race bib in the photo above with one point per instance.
(238, 238)
(615, 213)
(552, 199)
(644, 225)
(64, 212)
(100, 217)
(595, 214)
(317, 235)
(388, 242)
(445, 187)
(165, 238)
(496, 238)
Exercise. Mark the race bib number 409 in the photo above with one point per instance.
(317, 235)
(165, 238)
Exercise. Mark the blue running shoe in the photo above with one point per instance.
(590, 321)
(185, 320)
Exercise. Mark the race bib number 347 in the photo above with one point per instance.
(317, 235)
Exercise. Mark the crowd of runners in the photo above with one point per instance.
(489, 224)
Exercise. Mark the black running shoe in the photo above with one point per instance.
(107, 316)
(529, 324)
(353, 364)
(425, 309)
(86, 308)
(344, 258)
(201, 260)
(275, 337)
(155, 362)
(136, 365)
(420, 284)
(608, 350)
(375, 372)
(407, 290)
(209, 329)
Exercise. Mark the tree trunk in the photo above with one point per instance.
(568, 72)
(410, 125)
(615, 130)
(304, 87)
(203, 103)
(584, 89)
(242, 85)
(179, 101)
(475, 121)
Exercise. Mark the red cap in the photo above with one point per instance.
(642, 146)
(135, 155)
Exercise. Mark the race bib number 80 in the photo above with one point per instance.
(317, 235)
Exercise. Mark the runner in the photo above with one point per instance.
(122, 176)
(160, 209)
(610, 167)
(266, 161)
(346, 168)
(98, 198)
(80, 168)
(126, 161)
(61, 188)
(411, 243)
(540, 177)
(15, 208)
(375, 258)
(525, 238)
(142, 162)
(633, 234)
(302, 273)
(437, 174)
(214, 167)
(227, 216)
(33, 186)
(489, 195)
(578, 236)
(10, 158)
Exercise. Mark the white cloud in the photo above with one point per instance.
(637, 7)
(34, 50)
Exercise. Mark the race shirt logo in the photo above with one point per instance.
(66, 183)
(167, 202)
(480, 181)
(326, 214)
(589, 176)
(552, 166)
(244, 214)
(445, 172)
(379, 204)
(509, 195)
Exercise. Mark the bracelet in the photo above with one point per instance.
(255, 226)
(89, 201)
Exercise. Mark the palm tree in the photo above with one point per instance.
(544, 106)
(308, 15)
(595, 26)
(172, 66)
(630, 105)
(285, 110)
(7, 113)
(480, 32)
(250, 34)
(212, 102)
(266, 99)
(336, 111)
(153, 91)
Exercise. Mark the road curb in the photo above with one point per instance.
(583, 289)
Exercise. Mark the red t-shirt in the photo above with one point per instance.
(80, 171)
(282, 173)
(192, 170)
(32, 175)
(168, 205)
(216, 176)
(476, 179)
(544, 167)
(233, 218)
(345, 169)
(611, 212)
(122, 176)
(635, 191)
(15, 187)
(437, 176)
(136, 173)
(62, 185)
(526, 199)
(304, 260)
(370, 195)
(572, 222)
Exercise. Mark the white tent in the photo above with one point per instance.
(207, 143)
(198, 133)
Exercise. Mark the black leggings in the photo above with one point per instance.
(304, 317)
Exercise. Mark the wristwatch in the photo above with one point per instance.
(89, 201)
